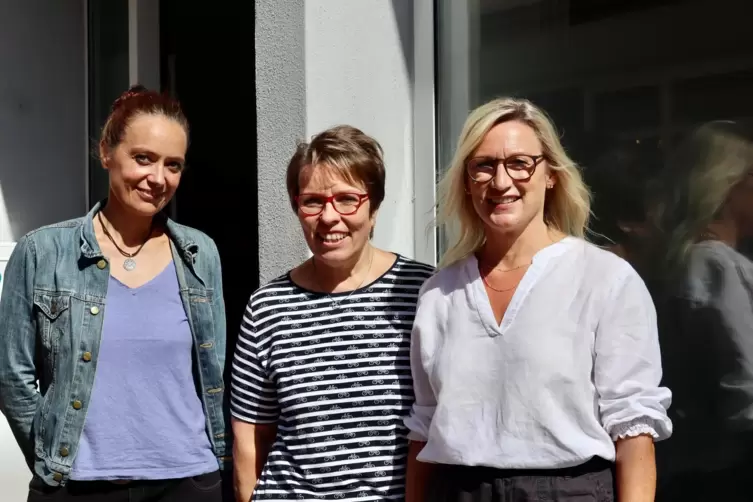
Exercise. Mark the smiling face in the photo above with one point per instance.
(334, 238)
(146, 166)
(505, 203)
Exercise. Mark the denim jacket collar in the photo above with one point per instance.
(183, 245)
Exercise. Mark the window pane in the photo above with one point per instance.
(642, 93)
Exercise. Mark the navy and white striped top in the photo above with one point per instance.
(333, 372)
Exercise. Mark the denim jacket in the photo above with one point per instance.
(51, 310)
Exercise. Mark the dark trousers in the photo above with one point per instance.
(204, 488)
(728, 485)
(589, 482)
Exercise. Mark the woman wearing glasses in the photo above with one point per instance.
(321, 377)
(534, 354)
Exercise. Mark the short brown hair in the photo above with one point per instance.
(351, 153)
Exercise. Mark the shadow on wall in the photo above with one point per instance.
(42, 121)
(403, 12)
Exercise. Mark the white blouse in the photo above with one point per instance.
(574, 365)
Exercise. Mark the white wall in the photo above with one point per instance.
(359, 71)
(42, 143)
(14, 475)
(322, 63)
(42, 114)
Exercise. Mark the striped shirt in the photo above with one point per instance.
(333, 371)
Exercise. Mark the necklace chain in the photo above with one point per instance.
(504, 270)
(336, 302)
(129, 263)
(483, 267)
(498, 290)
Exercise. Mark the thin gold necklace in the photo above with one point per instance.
(504, 270)
(488, 269)
(335, 302)
(500, 290)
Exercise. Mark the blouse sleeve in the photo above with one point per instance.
(253, 395)
(627, 367)
(719, 320)
(425, 329)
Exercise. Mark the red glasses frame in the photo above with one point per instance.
(362, 197)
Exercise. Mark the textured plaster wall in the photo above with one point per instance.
(359, 71)
(281, 122)
(320, 63)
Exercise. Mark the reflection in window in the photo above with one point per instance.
(640, 92)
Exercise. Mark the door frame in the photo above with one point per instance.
(144, 43)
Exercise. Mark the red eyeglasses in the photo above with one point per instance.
(346, 204)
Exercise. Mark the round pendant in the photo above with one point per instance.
(129, 264)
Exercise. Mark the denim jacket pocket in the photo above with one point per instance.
(52, 310)
(54, 319)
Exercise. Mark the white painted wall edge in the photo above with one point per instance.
(13, 471)
(6, 248)
(424, 133)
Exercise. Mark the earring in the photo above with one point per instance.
(549, 185)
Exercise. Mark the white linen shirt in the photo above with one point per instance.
(574, 365)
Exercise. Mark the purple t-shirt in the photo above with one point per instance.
(145, 419)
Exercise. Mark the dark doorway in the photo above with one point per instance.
(207, 59)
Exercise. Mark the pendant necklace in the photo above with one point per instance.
(335, 303)
(129, 264)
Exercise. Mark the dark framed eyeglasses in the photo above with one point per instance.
(346, 204)
(518, 167)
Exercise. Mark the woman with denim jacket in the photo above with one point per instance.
(113, 332)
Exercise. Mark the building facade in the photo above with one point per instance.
(255, 79)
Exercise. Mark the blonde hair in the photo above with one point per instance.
(702, 172)
(568, 203)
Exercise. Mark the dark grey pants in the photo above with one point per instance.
(204, 488)
(590, 482)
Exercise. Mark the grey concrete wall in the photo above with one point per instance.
(359, 64)
(281, 122)
(43, 148)
(43, 145)
(326, 62)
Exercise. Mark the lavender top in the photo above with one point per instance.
(145, 419)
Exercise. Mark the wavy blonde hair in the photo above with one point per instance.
(567, 205)
(702, 172)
